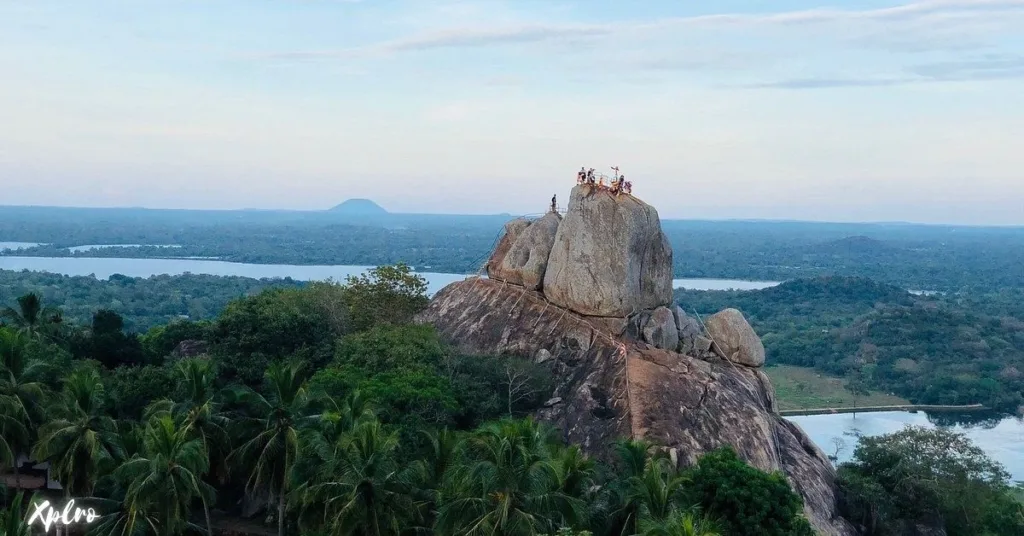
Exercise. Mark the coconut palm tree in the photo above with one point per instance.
(21, 397)
(13, 435)
(167, 478)
(199, 410)
(681, 523)
(574, 471)
(80, 441)
(509, 488)
(620, 502)
(273, 422)
(443, 450)
(657, 490)
(13, 519)
(31, 317)
(360, 487)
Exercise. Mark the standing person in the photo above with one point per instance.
(554, 203)
(581, 176)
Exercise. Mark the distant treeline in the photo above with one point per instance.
(948, 349)
(918, 257)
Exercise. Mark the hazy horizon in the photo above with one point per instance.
(514, 214)
(876, 111)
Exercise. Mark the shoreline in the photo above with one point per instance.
(877, 409)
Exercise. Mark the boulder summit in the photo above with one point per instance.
(610, 257)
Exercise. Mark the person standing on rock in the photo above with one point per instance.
(554, 203)
(581, 177)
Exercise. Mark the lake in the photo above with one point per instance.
(103, 268)
(1002, 439)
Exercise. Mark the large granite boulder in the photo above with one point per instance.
(527, 259)
(513, 229)
(660, 329)
(734, 339)
(609, 388)
(610, 257)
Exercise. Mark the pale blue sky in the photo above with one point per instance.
(854, 111)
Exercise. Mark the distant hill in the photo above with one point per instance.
(853, 245)
(929, 350)
(360, 207)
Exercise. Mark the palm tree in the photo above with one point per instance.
(164, 481)
(80, 440)
(13, 435)
(511, 488)
(13, 519)
(681, 523)
(657, 490)
(574, 471)
(620, 501)
(275, 422)
(21, 397)
(443, 451)
(360, 488)
(199, 410)
(31, 317)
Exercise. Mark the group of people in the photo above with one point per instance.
(618, 183)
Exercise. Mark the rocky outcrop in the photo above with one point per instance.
(691, 341)
(608, 388)
(660, 329)
(513, 229)
(610, 257)
(527, 258)
(589, 297)
(734, 339)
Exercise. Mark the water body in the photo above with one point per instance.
(1002, 439)
(722, 284)
(103, 268)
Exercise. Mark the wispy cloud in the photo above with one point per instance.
(827, 83)
(922, 16)
(993, 67)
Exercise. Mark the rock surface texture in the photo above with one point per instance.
(734, 339)
(527, 258)
(660, 329)
(513, 229)
(674, 400)
(610, 257)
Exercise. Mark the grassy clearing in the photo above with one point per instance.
(806, 388)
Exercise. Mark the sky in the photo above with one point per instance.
(858, 110)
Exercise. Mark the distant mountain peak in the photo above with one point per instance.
(359, 206)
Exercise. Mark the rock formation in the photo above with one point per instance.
(525, 260)
(660, 329)
(604, 325)
(513, 229)
(610, 257)
(734, 339)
